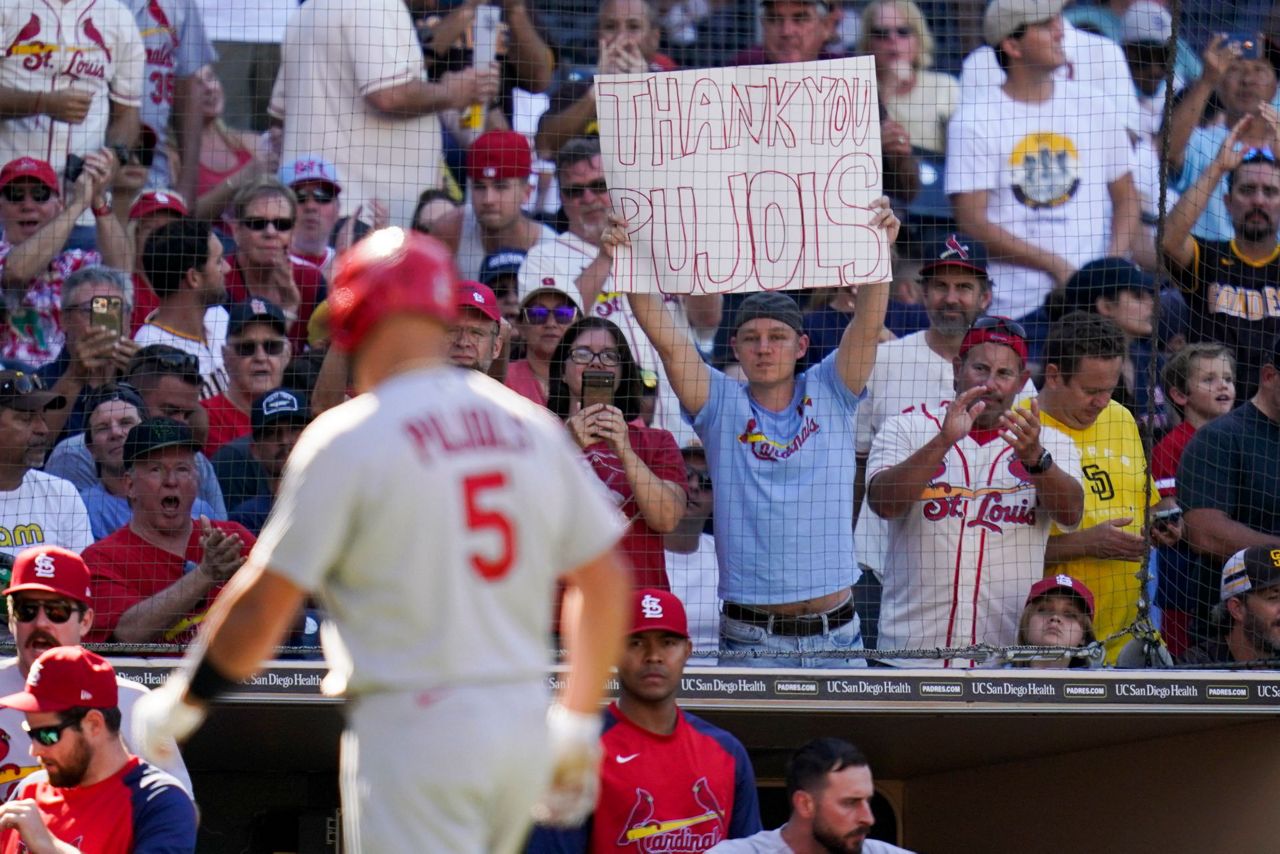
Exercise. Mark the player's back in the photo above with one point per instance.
(451, 505)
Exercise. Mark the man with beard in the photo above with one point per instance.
(1226, 282)
(95, 795)
(829, 786)
(970, 495)
(1248, 617)
(50, 605)
(669, 781)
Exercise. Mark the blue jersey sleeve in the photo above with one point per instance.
(164, 818)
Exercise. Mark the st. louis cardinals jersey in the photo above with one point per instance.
(91, 45)
(962, 559)
(433, 515)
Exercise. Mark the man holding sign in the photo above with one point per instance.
(781, 451)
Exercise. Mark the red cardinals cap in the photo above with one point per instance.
(50, 569)
(155, 201)
(66, 677)
(481, 298)
(995, 330)
(499, 154)
(660, 611)
(29, 167)
(1063, 583)
(391, 270)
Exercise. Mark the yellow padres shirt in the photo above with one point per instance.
(1117, 485)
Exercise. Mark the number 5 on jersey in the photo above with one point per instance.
(486, 520)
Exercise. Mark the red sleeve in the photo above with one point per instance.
(112, 595)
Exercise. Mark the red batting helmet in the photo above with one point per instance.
(391, 270)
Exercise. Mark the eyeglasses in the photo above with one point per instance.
(48, 736)
(585, 356)
(698, 479)
(472, 334)
(258, 223)
(576, 191)
(57, 611)
(16, 383)
(246, 349)
(1253, 155)
(1001, 323)
(38, 193)
(319, 195)
(884, 33)
(540, 315)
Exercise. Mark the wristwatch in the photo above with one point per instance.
(1041, 465)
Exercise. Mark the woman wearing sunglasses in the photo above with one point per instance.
(545, 314)
(595, 387)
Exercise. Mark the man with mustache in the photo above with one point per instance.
(50, 605)
(1226, 282)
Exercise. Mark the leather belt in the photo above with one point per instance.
(802, 626)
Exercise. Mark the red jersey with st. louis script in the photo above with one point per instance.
(642, 544)
(91, 45)
(960, 562)
(677, 794)
(137, 809)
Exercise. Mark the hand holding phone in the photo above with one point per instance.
(108, 313)
(597, 387)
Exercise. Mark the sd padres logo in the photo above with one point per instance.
(1046, 170)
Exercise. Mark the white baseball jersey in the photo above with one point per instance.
(432, 516)
(558, 264)
(213, 373)
(93, 45)
(335, 54)
(18, 763)
(907, 375)
(962, 559)
(43, 510)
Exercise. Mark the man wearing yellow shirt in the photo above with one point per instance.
(1083, 357)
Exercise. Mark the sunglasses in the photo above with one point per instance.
(258, 223)
(168, 363)
(1001, 323)
(319, 195)
(700, 479)
(540, 315)
(48, 736)
(57, 611)
(882, 33)
(1253, 155)
(141, 154)
(38, 193)
(246, 349)
(585, 356)
(16, 383)
(577, 191)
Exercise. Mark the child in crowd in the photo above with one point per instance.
(1059, 612)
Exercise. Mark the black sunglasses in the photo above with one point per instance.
(1002, 323)
(259, 223)
(882, 33)
(577, 191)
(701, 479)
(245, 349)
(1256, 155)
(168, 363)
(319, 195)
(144, 155)
(16, 383)
(38, 193)
(56, 610)
(539, 315)
(48, 736)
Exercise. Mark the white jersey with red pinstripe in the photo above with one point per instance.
(92, 45)
(960, 562)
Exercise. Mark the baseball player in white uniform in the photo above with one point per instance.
(431, 516)
(969, 494)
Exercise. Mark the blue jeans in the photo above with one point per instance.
(788, 650)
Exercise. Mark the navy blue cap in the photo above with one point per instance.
(257, 310)
(155, 434)
(956, 250)
(279, 404)
(1105, 277)
(504, 262)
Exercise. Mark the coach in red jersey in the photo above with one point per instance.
(669, 781)
(93, 795)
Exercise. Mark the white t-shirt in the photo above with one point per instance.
(1046, 168)
(558, 264)
(91, 45)
(907, 374)
(43, 510)
(213, 373)
(960, 562)
(437, 562)
(471, 252)
(19, 763)
(770, 842)
(335, 54)
(693, 578)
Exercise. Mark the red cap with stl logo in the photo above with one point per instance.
(50, 569)
(658, 610)
(499, 154)
(66, 677)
